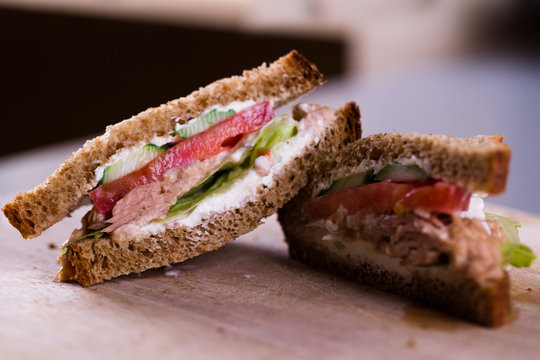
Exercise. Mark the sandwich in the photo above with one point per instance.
(179, 180)
(404, 213)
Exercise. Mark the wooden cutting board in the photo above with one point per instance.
(247, 300)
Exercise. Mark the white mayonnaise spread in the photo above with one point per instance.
(162, 140)
(476, 208)
(242, 191)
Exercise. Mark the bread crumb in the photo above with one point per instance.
(411, 343)
(52, 246)
(176, 270)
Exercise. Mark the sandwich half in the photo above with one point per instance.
(403, 212)
(188, 176)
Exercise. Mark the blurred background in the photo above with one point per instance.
(464, 67)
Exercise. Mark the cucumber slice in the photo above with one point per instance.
(349, 182)
(401, 173)
(203, 122)
(132, 162)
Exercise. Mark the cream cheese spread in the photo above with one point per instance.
(242, 191)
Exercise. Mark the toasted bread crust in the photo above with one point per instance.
(96, 260)
(34, 211)
(488, 305)
(479, 163)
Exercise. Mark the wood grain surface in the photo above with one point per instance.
(247, 300)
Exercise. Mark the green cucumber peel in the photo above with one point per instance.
(401, 173)
(134, 161)
(350, 181)
(513, 252)
(203, 122)
(393, 172)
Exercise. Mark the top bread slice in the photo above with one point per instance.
(36, 210)
(479, 164)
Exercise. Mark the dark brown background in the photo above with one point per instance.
(65, 76)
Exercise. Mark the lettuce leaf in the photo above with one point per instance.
(517, 255)
(199, 192)
(95, 235)
(509, 227)
(513, 252)
(278, 130)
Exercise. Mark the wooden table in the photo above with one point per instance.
(247, 300)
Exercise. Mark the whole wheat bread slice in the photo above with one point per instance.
(90, 261)
(36, 210)
(479, 163)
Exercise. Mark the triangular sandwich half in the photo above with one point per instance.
(188, 176)
(403, 212)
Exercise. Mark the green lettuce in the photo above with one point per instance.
(510, 227)
(95, 235)
(513, 252)
(517, 255)
(195, 195)
(277, 131)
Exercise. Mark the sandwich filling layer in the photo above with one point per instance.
(419, 239)
(183, 195)
(163, 141)
(419, 221)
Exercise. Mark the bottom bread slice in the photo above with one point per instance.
(91, 261)
(485, 303)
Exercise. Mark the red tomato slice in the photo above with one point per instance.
(365, 199)
(441, 196)
(221, 137)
